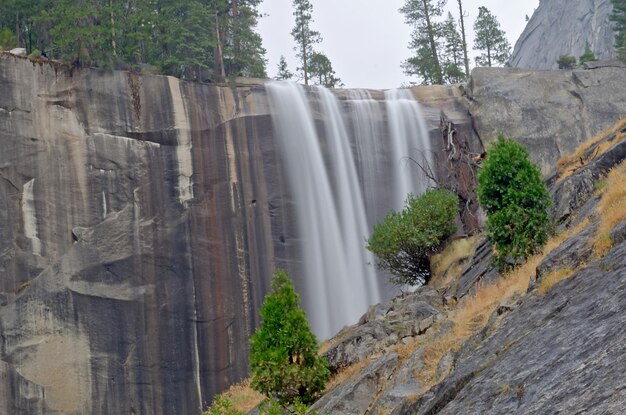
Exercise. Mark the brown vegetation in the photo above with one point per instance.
(590, 149)
(450, 262)
(611, 210)
(243, 398)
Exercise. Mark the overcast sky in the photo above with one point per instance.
(367, 40)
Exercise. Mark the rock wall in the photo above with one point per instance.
(550, 112)
(137, 222)
(564, 27)
(141, 218)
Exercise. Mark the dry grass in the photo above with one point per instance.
(554, 277)
(448, 263)
(243, 397)
(570, 163)
(346, 373)
(328, 344)
(473, 312)
(611, 210)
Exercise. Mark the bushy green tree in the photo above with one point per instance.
(512, 192)
(283, 352)
(321, 71)
(7, 39)
(566, 62)
(490, 39)
(403, 241)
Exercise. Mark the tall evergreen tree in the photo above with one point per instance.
(425, 39)
(283, 72)
(175, 36)
(462, 16)
(19, 16)
(283, 351)
(453, 52)
(243, 50)
(490, 39)
(618, 17)
(304, 36)
(81, 31)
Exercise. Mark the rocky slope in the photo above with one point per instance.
(536, 349)
(564, 27)
(141, 218)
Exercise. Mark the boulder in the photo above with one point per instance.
(18, 51)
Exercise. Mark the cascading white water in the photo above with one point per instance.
(323, 168)
(365, 116)
(409, 140)
(339, 285)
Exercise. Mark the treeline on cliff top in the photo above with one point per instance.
(211, 39)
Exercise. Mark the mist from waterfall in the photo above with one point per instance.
(344, 177)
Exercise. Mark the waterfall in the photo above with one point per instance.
(341, 173)
(409, 138)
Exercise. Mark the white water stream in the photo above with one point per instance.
(344, 174)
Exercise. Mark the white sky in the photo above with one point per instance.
(367, 40)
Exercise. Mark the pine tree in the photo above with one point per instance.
(244, 54)
(283, 351)
(453, 52)
(425, 39)
(283, 72)
(304, 36)
(321, 71)
(490, 39)
(587, 56)
(462, 17)
(618, 17)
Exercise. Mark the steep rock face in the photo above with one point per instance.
(564, 27)
(141, 218)
(550, 112)
(130, 238)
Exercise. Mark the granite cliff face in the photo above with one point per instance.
(141, 218)
(564, 27)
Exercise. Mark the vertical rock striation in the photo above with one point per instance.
(564, 27)
(135, 214)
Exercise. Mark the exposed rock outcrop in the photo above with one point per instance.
(564, 27)
(549, 354)
(550, 112)
(543, 352)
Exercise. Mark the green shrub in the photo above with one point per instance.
(36, 53)
(283, 355)
(566, 62)
(403, 241)
(7, 39)
(222, 406)
(512, 192)
(272, 407)
(587, 56)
